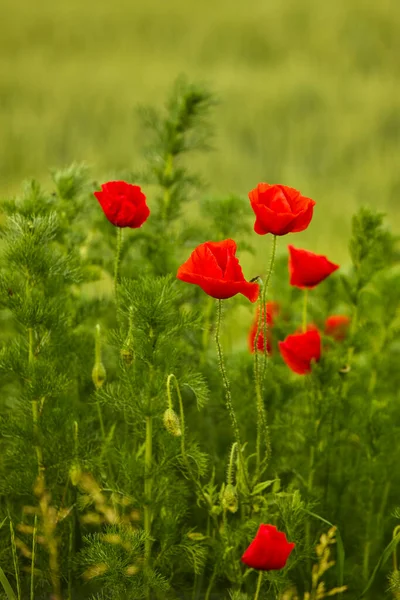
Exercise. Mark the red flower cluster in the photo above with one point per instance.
(272, 311)
(123, 204)
(214, 267)
(280, 209)
(269, 550)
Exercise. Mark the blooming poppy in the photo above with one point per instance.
(123, 204)
(272, 310)
(214, 267)
(280, 209)
(336, 326)
(269, 550)
(299, 349)
(307, 269)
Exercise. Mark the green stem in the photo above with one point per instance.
(229, 476)
(15, 560)
(396, 531)
(264, 295)
(262, 427)
(32, 595)
(148, 458)
(185, 459)
(117, 265)
(228, 396)
(206, 329)
(30, 345)
(169, 164)
(259, 582)
(305, 301)
(211, 583)
(102, 428)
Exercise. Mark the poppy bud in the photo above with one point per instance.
(127, 355)
(75, 473)
(172, 423)
(98, 375)
(230, 498)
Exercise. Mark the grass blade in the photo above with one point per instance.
(6, 586)
(388, 551)
(339, 545)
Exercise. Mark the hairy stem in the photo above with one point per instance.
(211, 583)
(169, 165)
(228, 395)
(305, 302)
(117, 265)
(148, 459)
(259, 582)
(32, 587)
(15, 560)
(262, 427)
(185, 458)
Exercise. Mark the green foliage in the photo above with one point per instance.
(116, 504)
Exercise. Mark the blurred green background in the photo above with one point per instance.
(309, 94)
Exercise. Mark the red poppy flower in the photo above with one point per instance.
(308, 269)
(269, 550)
(272, 309)
(337, 326)
(123, 204)
(214, 267)
(299, 349)
(280, 209)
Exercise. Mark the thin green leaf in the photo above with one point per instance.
(339, 543)
(6, 586)
(388, 551)
(262, 486)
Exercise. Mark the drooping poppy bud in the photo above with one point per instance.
(99, 372)
(172, 422)
(269, 551)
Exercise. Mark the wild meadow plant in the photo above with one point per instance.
(139, 459)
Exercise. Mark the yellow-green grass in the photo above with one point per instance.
(309, 94)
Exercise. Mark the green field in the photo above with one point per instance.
(309, 94)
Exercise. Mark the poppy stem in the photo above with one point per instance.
(262, 427)
(117, 264)
(259, 582)
(228, 396)
(148, 459)
(305, 302)
(396, 532)
(185, 459)
(264, 298)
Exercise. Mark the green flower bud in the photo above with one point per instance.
(171, 422)
(230, 498)
(75, 473)
(98, 374)
(127, 354)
